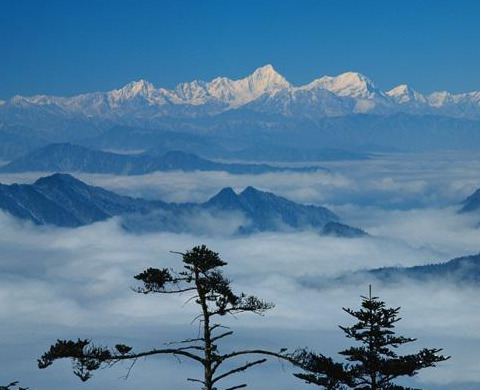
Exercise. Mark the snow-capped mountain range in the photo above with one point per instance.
(264, 91)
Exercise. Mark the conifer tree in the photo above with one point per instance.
(203, 282)
(374, 363)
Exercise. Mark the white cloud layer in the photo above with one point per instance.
(68, 283)
(398, 181)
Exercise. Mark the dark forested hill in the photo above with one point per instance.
(459, 271)
(65, 157)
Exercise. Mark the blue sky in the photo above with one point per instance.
(66, 47)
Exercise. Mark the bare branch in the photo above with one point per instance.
(280, 355)
(222, 335)
(130, 368)
(217, 326)
(195, 380)
(239, 369)
(185, 341)
(176, 351)
(177, 253)
(237, 387)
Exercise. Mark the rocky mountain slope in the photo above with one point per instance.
(63, 200)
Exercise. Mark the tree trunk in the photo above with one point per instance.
(207, 336)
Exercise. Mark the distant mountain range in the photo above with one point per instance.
(65, 201)
(67, 157)
(269, 212)
(241, 141)
(261, 117)
(461, 270)
(263, 91)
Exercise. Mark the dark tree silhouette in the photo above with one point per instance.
(205, 284)
(13, 386)
(374, 364)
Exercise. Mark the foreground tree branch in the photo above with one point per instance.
(13, 386)
(211, 292)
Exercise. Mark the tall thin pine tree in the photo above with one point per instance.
(373, 364)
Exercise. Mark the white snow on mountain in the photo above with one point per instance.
(439, 99)
(354, 86)
(348, 84)
(135, 89)
(403, 94)
(264, 80)
(265, 90)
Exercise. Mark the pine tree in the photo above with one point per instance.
(203, 282)
(373, 364)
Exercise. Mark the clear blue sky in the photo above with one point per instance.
(66, 47)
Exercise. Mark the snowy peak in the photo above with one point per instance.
(233, 92)
(135, 89)
(266, 71)
(266, 79)
(193, 92)
(39, 100)
(400, 90)
(350, 84)
(262, 91)
(403, 94)
(439, 99)
(140, 87)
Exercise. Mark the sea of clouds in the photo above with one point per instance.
(69, 283)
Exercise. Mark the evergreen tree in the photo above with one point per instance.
(373, 364)
(202, 279)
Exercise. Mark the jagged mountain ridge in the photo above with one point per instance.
(62, 200)
(66, 157)
(65, 201)
(269, 211)
(264, 91)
